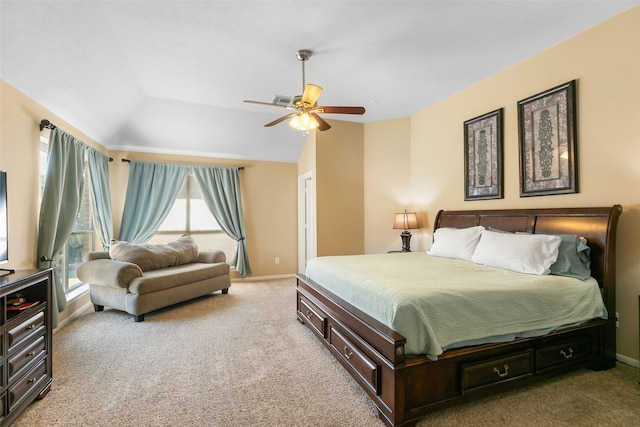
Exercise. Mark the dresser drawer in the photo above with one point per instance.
(364, 367)
(26, 384)
(20, 362)
(481, 374)
(314, 316)
(30, 327)
(563, 353)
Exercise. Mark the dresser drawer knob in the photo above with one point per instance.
(30, 354)
(501, 374)
(32, 326)
(347, 353)
(309, 314)
(32, 380)
(567, 355)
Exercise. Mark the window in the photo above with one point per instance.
(190, 215)
(81, 240)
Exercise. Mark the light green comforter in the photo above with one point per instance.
(438, 303)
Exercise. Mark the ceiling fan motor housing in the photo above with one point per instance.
(303, 54)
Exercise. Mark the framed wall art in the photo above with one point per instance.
(483, 157)
(547, 134)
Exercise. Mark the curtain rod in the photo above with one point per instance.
(46, 124)
(129, 161)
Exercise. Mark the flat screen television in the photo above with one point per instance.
(4, 221)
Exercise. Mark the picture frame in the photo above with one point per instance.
(483, 164)
(548, 142)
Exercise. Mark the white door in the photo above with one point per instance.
(306, 221)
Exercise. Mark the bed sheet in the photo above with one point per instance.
(439, 303)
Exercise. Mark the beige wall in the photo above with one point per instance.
(387, 180)
(339, 185)
(605, 62)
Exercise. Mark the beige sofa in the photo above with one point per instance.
(140, 287)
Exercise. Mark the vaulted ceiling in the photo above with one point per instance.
(171, 76)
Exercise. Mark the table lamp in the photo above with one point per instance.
(406, 221)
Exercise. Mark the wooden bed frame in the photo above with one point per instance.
(405, 388)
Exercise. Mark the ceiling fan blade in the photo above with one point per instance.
(264, 103)
(341, 110)
(322, 125)
(280, 119)
(311, 94)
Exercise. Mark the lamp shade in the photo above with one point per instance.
(406, 221)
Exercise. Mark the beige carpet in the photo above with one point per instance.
(243, 359)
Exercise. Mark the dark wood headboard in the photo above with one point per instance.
(598, 225)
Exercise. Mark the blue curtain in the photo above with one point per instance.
(220, 188)
(59, 208)
(102, 216)
(151, 191)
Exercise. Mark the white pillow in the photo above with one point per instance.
(456, 243)
(523, 253)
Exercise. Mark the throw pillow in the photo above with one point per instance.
(155, 256)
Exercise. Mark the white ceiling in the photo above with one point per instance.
(170, 76)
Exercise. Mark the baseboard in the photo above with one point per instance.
(260, 278)
(72, 316)
(628, 360)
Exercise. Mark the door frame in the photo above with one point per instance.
(304, 209)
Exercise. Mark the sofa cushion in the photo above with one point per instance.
(152, 257)
(170, 277)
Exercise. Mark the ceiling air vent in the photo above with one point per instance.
(281, 100)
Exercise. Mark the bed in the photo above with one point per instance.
(405, 386)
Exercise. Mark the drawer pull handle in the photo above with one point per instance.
(501, 374)
(348, 353)
(32, 326)
(309, 314)
(31, 354)
(32, 380)
(567, 355)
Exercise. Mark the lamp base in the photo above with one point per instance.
(406, 240)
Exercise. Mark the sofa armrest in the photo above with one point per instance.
(98, 255)
(108, 272)
(212, 257)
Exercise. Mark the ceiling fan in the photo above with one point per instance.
(306, 109)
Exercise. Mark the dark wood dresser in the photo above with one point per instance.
(26, 342)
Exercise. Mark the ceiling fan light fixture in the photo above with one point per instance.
(304, 122)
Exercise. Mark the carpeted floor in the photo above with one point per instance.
(242, 359)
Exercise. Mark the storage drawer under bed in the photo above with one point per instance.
(558, 354)
(312, 315)
(363, 366)
(498, 370)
